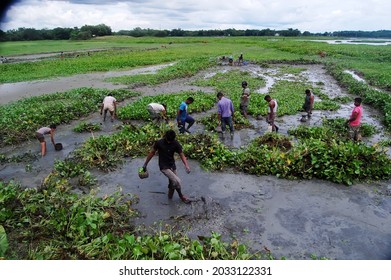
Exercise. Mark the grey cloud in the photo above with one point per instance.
(106, 2)
(314, 16)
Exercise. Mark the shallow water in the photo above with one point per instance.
(372, 42)
(290, 218)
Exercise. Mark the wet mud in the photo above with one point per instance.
(292, 219)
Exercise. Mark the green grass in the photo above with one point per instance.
(126, 52)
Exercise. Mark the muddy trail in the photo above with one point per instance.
(292, 219)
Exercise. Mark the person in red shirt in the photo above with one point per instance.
(355, 120)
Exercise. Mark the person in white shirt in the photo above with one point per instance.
(157, 112)
(109, 104)
(40, 135)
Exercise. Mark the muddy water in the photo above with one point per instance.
(290, 218)
(13, 91)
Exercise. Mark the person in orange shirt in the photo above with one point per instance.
(355, 120)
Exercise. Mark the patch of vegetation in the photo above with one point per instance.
(19, 120)
(26, 157)
(53, 223)
(373, 97)
(319, 153)
(181, 69)
(86, 127)
(230, 84)
(210, 122)
(332, 129)
(137, 110)
(385, 143)
(343, 162)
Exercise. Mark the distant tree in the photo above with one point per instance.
(81, 35)
(162, 33)
(3, 36)
(97, 30)
(123, 32)
(30, 34)
(290, 32)
(267, 32)
(88, 31)
(137, 32)
(61, 33)
(177, 32)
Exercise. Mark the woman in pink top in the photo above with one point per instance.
(355, 120)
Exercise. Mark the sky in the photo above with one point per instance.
(305, 15)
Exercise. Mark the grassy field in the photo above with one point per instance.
(372, 62)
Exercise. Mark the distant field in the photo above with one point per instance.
(50, 46)
(122, 52)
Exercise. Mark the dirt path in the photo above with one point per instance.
(295, 219)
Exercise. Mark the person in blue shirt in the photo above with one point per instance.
(183, 117)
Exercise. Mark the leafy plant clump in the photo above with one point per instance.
(106, 152)
(87, 127)
(207, 149)
(331, 129)
(26, 157)
(385, 143)
(322, 157)
(138, 110)
(210, 122)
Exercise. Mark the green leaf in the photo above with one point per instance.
(3, 242)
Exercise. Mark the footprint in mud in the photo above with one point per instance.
(202, 208)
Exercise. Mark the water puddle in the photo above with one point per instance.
(13, 91)
(355, 76)
(372, 42)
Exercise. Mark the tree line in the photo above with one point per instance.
(89, 31)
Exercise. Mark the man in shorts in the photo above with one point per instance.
(157, 112)
(109, 104)
(40, 135)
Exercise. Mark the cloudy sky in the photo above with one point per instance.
(305, 15)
